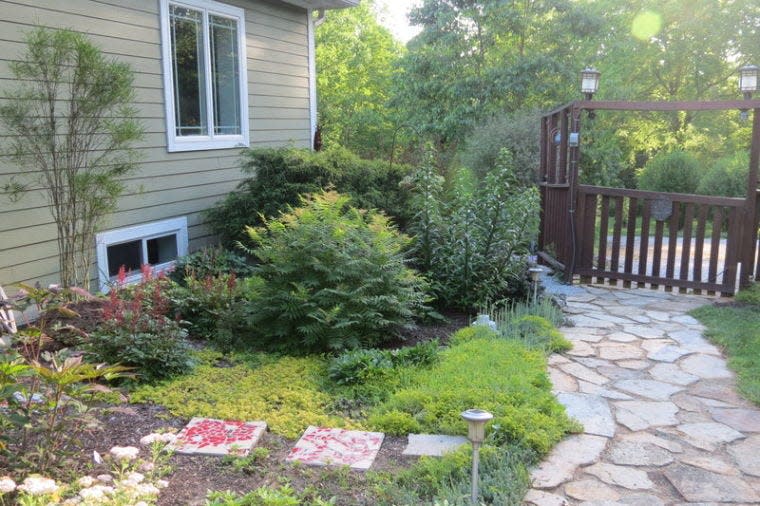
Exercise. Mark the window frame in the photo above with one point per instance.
(177, 143)
(141, 233)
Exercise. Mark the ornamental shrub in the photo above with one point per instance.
(200, 302)
(279, 176)
(727, 177)
(332, 278)
(674, 172)
(472, 242)
(212, 261)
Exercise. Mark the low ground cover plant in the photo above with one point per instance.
(736, 329)
(331, 277)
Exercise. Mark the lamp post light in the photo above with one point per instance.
(748, 81)
(589, 82)
(476, 433)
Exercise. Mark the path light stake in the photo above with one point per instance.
(535, 272)
(476, 433)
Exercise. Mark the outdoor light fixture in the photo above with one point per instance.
(590, 82)
(748, 77)
(476, 433)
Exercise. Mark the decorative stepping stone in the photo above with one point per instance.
(708, 436)
(744, 420)
(207, 436)
(434, 445)
(321, 446)
(671, 373)
(541, 498)
(633, 453)
(563, 460)
(583, 373)
(640, 415)
(747, 455)
(622, 476)
(655, 390)
(591, 490)
(700, 486)
(706, 366)
(592, 411)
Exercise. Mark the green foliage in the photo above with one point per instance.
(70, 124)
(446, 480)
(537, 332)
(265, 496)
(727, 177)
(356, 61)
(471, 245)
(333, 278)
(673, 172)
(736, 329)
(396, 422)
(210, 262)
(249, 463)
(750, 295)
(137, 331)
(280, 176)
(361, 366)
(201, 302)
(283, 391)
(500, 376)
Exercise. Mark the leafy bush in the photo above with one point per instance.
(280, 176)
(494, 374)
(265, 496)
(674, 172)
(749, 295)
(471, 245)
(211, 262)
(727, 177)
(332, 278)
(284, 391)
(200, 302)
(537, 332)
(360, 366)
(136, 330)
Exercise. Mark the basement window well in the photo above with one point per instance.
(158, 244)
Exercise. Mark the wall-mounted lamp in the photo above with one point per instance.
(590, 82)
(476, 433)
(748, 81)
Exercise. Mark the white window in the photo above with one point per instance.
(157, 244)
(205, 77)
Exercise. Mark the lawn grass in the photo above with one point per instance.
(736, 328)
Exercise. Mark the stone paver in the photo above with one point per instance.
(663, 422)
(208, 436)
(434, 445)
(321, 446)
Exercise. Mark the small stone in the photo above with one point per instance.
(706, 366)
(708, 436)
(565, 458)
(637, 365)
(698, 485)
(434, 445)
(620, 351)
(669, 353)
(592, 411)
(655, 390)
(562, 382)
(581, 349)
(591, 490)
(584, 373)
(744, 420)
(643, 331)
(631, 453)
(747, 455)
(626, 477)
(541, 498)
(712, 464)
(646, 437)
(671, 373)
(622, 337)
(640, 415)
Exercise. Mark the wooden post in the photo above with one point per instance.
(749, 235)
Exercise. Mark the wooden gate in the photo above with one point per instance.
(642, 238)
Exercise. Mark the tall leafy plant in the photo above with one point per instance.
(71, 126)
(472, 241)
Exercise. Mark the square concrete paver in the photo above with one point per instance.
(434, 445)
(320, 446)
(207, 436)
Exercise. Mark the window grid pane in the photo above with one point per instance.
(189, 67)
(225, 75)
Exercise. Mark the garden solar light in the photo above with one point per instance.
(535, 273)
(748, 75)
(589, 82)
(476, 433)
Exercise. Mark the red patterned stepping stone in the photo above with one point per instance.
(207, 436)
(320, 446)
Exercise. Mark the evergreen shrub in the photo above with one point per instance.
(673, 172)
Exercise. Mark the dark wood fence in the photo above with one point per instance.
(641, 238)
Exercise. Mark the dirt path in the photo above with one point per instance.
(663, 422)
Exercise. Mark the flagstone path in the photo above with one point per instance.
(663, 424)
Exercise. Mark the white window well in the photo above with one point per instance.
(157, 244)
(205, 77)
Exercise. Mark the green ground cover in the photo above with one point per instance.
(736, 328)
